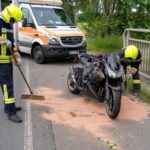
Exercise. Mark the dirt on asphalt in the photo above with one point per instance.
(89, 116)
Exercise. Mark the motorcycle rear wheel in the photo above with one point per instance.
(113, 104)
(72, 86)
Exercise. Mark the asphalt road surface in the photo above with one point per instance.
(69, 122)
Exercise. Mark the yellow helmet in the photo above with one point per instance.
(131, 52)
(13, 13)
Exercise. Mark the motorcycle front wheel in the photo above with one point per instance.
(113, 104)
(71, 85)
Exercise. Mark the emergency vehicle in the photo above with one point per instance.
(47, 31)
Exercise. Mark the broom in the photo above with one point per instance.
(24, 95)
(31, 95)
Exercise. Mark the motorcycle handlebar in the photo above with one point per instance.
(98, 57)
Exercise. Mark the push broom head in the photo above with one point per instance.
(32, 96)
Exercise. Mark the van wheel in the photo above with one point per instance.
(38, 55)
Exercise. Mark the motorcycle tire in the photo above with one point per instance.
(113, 104)
(72, 86)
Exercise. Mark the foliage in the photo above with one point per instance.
(106, 17)
(4, 4)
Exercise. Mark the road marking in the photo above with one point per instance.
(28, 138)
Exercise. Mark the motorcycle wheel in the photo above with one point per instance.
(72, 86)
(113, 104)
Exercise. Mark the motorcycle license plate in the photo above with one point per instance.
(73, 52)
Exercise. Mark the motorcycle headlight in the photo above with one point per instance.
(113, 74)
(53, 40)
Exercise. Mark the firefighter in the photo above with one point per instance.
(8, 17)
(131, 55)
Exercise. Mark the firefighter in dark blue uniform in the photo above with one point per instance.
(8, 17)
(131, 55)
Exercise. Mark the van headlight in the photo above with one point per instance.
(84, 40)
(52, 40)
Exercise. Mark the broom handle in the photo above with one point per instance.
(22, 73)
(25, 79)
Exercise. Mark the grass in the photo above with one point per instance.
(145, 91)
(107, 44)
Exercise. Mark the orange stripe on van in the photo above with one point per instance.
(34, 34)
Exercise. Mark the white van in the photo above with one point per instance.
(47, 31)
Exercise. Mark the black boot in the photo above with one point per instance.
(14, 118)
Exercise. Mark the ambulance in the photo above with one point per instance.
(47, 31)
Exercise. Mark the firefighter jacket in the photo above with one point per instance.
(6, 31)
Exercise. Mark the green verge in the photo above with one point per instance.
(109, 43)
(95, 42)
(145, 91)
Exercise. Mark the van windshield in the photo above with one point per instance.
(51, 17)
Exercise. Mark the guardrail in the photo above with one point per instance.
(143, 45)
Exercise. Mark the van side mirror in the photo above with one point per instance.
(73, 22)
(24, 23)
(31, 25)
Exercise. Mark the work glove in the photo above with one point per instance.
(8, 44)
(17, 58)
(125, 61)
(133, 71)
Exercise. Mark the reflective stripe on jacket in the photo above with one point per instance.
(6, 32)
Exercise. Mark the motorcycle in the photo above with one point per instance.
(102, 76)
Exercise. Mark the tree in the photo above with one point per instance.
(105, 17)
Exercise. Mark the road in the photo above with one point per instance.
(69, 122)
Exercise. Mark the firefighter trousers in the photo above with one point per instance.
(6, 83)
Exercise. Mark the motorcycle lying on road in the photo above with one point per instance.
(102, 76)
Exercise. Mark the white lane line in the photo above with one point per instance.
(28, 138)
